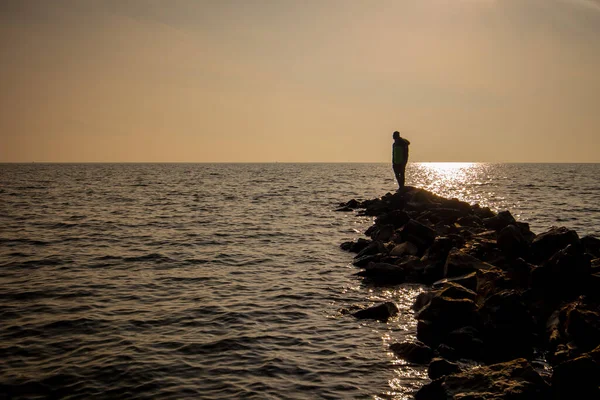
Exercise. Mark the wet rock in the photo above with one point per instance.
(406, 248)
(344, 209)
(414, 352)
(383, 233)
(384, 273)
(512, 242)
(435, 258)
(549, 243)
(459, 263)
(499, 221)
(365, 260)
(371, 248)
(396, 218)
(489, 281)
(440, 367)
(513, 380)
(582, 325)
(472, 221)
(381, 312)
(355, 247)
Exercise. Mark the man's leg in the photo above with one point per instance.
(399, 175)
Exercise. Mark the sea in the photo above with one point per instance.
(224, 281)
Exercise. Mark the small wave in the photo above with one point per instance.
(148, 257)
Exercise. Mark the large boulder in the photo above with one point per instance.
(396, 218)
(512, 242)
(578, 378)
(417, 233)
(499, 221)
(513, 380)
(508, 327)
(468, 281)
(549, 243)
(441, 316)
(381, 312)
(406, 248)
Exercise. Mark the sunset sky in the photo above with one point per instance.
(299, 80)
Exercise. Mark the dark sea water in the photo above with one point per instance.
(171, 281)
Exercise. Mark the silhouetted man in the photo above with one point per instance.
(399, 158)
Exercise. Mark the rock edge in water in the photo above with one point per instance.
(499, 294)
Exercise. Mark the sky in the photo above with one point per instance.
(299, 80)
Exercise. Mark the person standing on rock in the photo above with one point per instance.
(399, 158)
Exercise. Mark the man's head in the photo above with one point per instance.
(396, 135)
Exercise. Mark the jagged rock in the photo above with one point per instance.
(384, 273)
(406, 248)
(396, 218)
(519, 273)
(499, 221)
(512, 242)
(417, 233)
(355, 247)
(459, 263)
(489, 281)
(441, 316)
(549, 243)
(525, 231)
(414, 352)
(508, 327)
(513, 380)
(381, 312)
(371, 249)
(383, 233)
(482, 212)
(435, 258)
(582, 326)
(468, 281)
(441, 367)
(578, 378)
(591, 245)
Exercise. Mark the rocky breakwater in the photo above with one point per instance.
(499, 295)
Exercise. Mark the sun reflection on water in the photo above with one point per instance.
(456, 180)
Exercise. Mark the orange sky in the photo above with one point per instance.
(299, 81)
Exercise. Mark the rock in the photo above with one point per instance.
(381, 312)
(468, 281)
(414, 352)
(435, 258)
(499, 221)
(466, 342)
(396, 218)
(371, 249)
(459, 263)
(595, 266)
(582, 326)
(519, 273)
(384, 273)
(549, 243)
(525, 231)
(578, 378)
(472, 221)
(591, 246)
(512, 242)
(417, 233)
(508, 327)
(406, 248)
(383, 233)
(489, 281)
(365, 260)
(440, 367)
(443, 315)
(450, 290)
(513, 380)
(344, 209)
(482, 212)
(355, 247)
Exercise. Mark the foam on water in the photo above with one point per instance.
(222, 280)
